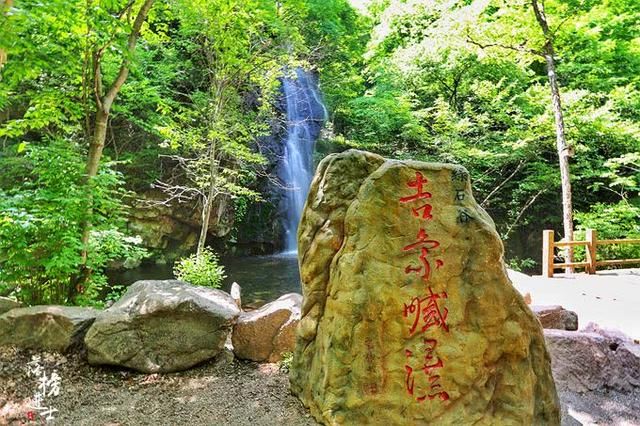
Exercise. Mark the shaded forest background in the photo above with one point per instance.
(199, 119)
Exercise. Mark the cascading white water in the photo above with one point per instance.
(305, 117)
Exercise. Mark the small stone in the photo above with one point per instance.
(224, 358)
(556, 316)
(236, 292)
(266, 333)
(55, 328)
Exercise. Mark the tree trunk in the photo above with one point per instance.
(93, 162)
(104, 103)
(97, 142)
(208, 201)
(563, 148)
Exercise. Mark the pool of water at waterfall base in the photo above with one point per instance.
(262, 278)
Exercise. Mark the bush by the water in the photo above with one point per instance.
(41, 221)
(204, 270)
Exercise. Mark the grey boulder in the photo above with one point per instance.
(7, 304)
(162, 326)
(584, 361)
(47, 327)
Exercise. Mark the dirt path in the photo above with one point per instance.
(609, 298)
(220, 392)
(215, 393)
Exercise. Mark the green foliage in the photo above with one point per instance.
(521, 265)
(335, 37)
(286, 361)
(442, 86)
(204, 270)
(111, 245)
(611, 221)
(115, 293)
(423, 79)
(41, 216)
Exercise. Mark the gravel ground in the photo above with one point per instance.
(220, 392)
(600, 408)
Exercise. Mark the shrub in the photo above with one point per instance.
(204, 270)
(285, 363)
(41, 219)
(611, 221)
(521, 265)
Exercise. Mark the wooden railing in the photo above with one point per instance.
(590, 264)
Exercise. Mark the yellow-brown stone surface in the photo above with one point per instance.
(374, 346)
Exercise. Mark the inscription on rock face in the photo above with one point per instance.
(408, 315)
(423, 311)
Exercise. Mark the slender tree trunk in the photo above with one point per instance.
(563, 148)
(96, 146)
(212, 191)
(208, 201)
(93, 163)
(97, 142)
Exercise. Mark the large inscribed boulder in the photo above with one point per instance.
(162, 326)
(408, 314)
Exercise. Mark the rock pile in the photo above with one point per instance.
(159, 326)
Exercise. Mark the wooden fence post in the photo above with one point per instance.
(547, 253)
(592, 240)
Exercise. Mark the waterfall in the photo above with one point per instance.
(305, 117)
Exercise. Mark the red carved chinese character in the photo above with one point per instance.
(429, 312)
(414, 309)
(422, 240)
(430, 346)
(431, 378)
(428, 369)
(432, 313)
(409, 380)
(425, 245)
(417, 184)
(443, 396)
(426, 211)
